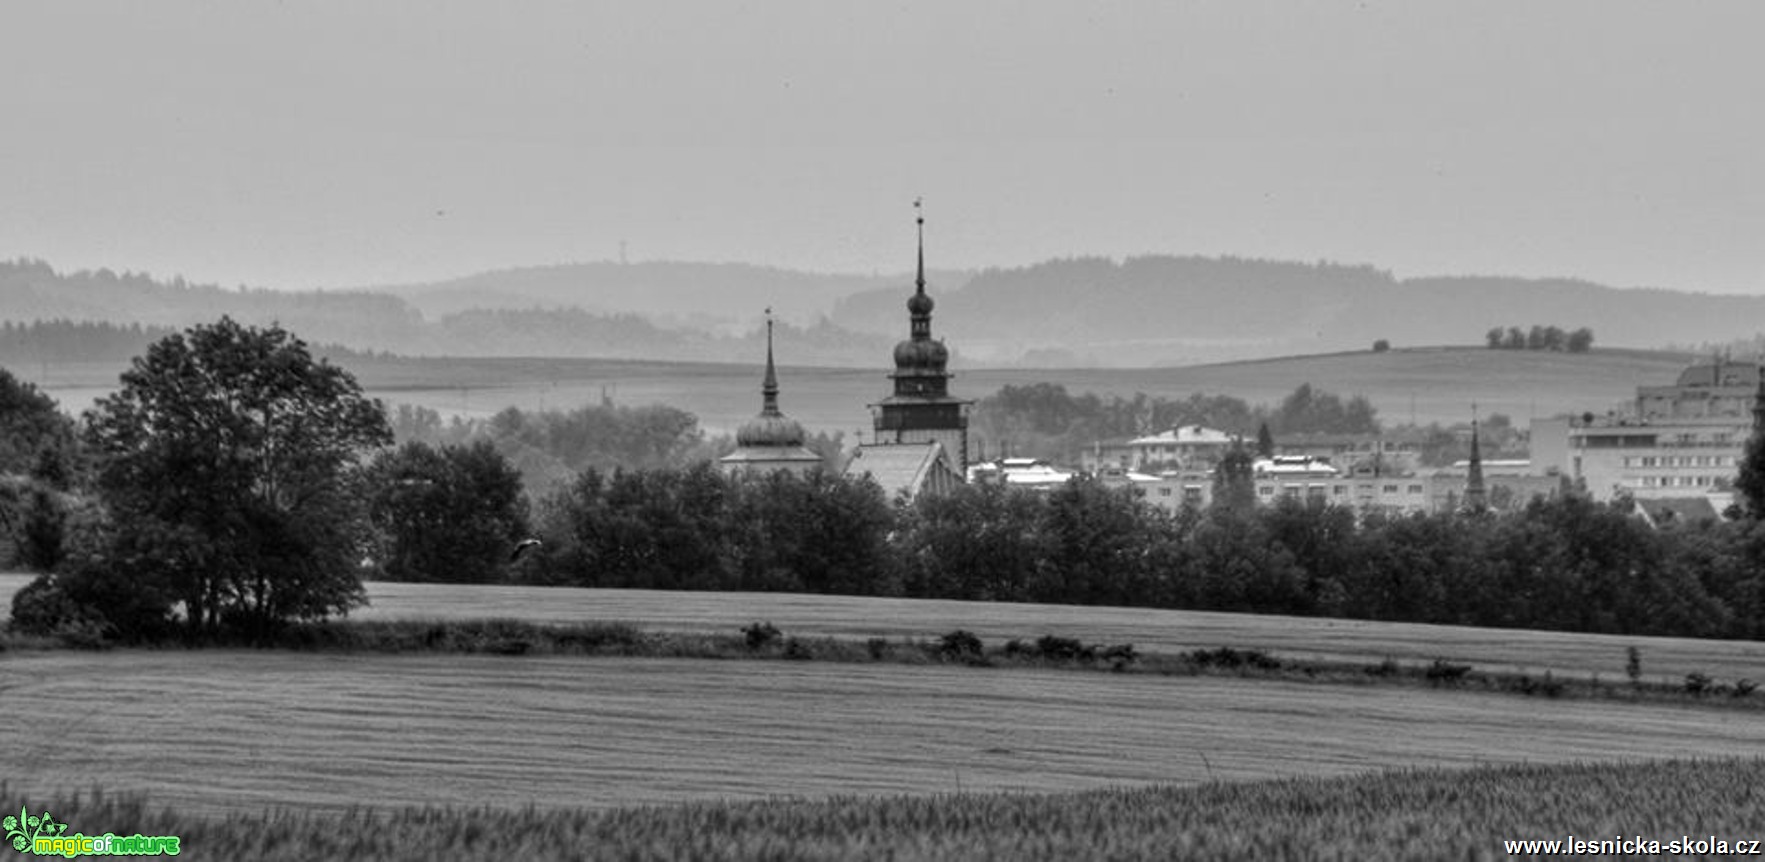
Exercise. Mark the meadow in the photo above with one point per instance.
(1429, 384)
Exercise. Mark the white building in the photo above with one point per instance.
(1684, 440)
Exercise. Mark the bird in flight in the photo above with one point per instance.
(521, 547)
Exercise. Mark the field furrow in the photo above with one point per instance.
(233, 730)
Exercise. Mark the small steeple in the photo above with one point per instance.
(1475, 496)
(769, 386)
(919, 305)
(919, 219)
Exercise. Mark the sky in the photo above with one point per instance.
(308, 144)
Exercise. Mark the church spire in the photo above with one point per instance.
(919, 219)
(769, 386)
(1476, 498)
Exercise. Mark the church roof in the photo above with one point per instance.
(899, 467)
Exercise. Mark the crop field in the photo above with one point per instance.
(1149, 630)
(1423, 384)
(228, 731)
(1407, 814)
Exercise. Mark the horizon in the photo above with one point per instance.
(340, 147)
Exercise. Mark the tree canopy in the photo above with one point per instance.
(226, 466)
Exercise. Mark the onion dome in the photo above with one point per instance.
(770, 428)
(921, 354)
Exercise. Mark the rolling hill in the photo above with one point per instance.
(1077, 312)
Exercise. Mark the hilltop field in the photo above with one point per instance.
(1423, 385)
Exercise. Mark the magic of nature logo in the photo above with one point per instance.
(43, 835)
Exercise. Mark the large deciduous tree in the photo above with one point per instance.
(448, 514)
(228, 467)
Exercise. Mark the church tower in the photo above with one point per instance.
(771, 440)
(922, 409)
(1476, 496)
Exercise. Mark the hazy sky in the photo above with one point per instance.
(306, 144)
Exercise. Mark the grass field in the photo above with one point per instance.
(1426, 384)
(1409, 814)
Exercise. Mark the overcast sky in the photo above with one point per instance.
(330, 144)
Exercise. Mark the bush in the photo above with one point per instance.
(1697, 683)
(1443, 671)
(1226, 657)
(1056, 648)
(41, 606)
(760, 635)
(1120, 656)
(797, 650)
(960, 645)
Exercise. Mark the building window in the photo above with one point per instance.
(1415, 489)
(1390, 489)
(1164, 492)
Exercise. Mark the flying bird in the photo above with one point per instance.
(522, 546)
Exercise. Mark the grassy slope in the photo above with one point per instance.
(1438, 382)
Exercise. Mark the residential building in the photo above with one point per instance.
(1683, 440)
(1185, 447)
(1398, 452)
(1033, 473)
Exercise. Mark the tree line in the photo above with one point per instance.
(1565, 564)
(1552, 338)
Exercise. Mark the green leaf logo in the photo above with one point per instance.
(23, 831)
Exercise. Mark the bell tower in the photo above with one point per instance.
(921, 408)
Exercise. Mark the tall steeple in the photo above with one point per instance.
(921, 407)
(1476, 498)
(771, 440)
(771, 427)
(769, 385)
(919, 306)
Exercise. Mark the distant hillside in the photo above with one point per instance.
(1161, 310)
(714, 297)
(32, 291)
(1154, 311)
